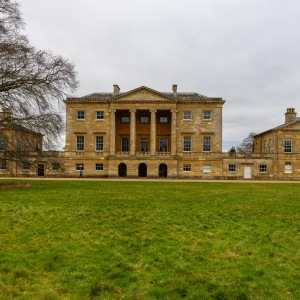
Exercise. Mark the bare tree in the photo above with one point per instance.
(33, 83)
(247, 144)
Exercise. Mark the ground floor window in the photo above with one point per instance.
(2, 165)
(263, 168)
(232, 168)
(26, 166)
(79, 167)
(187, 168)
(55, 167)
(206, 168)
(99, 167)
(288, 168)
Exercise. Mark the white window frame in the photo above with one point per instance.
(206, 168)
(288, 168)
(100, 115)
(206, 144)
(144, 118)
(207, 115)
(187, 115)
(163, 118)
(163, 145)
(125, 118)
(79, 167)
(99, 143)
(232, 168)
(80, 115)
(187, 167)
(187, 144)
(263, 169)
(128, 144)
(80, 143)
(99, 167)
(287, 145)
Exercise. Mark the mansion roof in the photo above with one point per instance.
(147, 95)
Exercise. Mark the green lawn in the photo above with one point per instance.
(149, 240)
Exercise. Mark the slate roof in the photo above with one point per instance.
(283, 126)
(183, 96)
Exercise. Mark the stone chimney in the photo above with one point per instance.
(290, 115)
(174, 88)
(116, 89)
(6, 113)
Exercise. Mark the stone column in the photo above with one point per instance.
(132, 131)
(173, 133)
(153, 133)
(112, 133)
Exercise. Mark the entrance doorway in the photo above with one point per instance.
(247, 173)
(41, 170)
(142, 170)
(163, 170)
(122, 170)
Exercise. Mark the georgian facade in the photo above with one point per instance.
(144, 133)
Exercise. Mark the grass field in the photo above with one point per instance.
(149, 240)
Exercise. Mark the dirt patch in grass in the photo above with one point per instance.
(13, 185)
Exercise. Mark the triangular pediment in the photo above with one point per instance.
(143, 94)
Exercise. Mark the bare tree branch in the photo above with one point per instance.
(33, 83)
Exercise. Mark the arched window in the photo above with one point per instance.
(288, 168)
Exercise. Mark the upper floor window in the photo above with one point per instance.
(270, 146)
(265, 147)
(125, 144)
(263, 168)
(80, 115)
(125, 118)
(99, 143)
(144, 118)
(288, 168)
(187, 115)
(287, 145)
(187, 144)
(163, 144)
(3, 143)
(80, 143)
(207, 115)
(144, 144)
(2, 165)
(163, 118)
(100, 115)
(206, 144)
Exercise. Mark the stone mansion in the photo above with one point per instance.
(152, 134)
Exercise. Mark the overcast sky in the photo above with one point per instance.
(245, 51)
